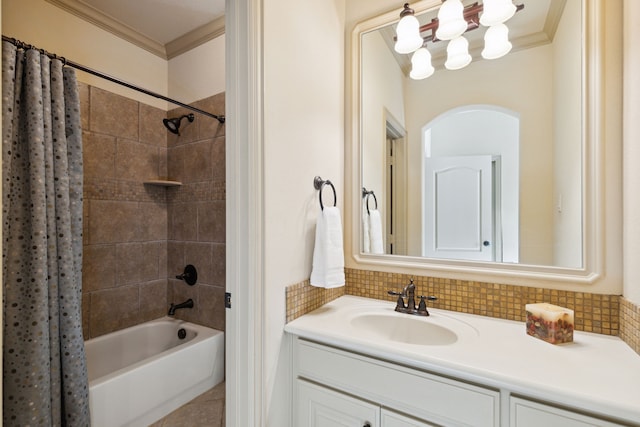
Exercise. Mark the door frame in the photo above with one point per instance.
(244, 346)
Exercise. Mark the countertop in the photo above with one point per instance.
(596, 373)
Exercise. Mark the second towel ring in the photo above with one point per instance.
(318, 184)
(366, 194)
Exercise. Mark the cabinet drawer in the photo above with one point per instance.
(321, 407)
(525, 413)
(420, 394)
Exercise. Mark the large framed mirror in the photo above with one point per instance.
(489, 167)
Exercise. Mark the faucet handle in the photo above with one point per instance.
(400, 302)
(422, 307)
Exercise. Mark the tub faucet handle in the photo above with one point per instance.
(189, 275)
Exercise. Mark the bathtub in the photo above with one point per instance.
(140, 374)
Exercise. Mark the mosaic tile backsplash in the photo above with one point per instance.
(630, 323)
(603, 314)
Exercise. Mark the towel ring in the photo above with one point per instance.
(367, 194)
(318, 184)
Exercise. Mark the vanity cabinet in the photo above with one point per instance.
(526, 413)
(338, 388)
(383, 393)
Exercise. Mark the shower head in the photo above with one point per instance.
(174, 124)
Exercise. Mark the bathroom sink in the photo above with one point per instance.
(408, 329)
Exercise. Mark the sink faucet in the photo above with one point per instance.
(409, 292)
(187, 304)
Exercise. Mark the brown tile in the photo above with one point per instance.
(155, 222)
(176, 161)
(175, 258)
(197, 162)
(218, 159)
(113, 221)
(137, 262)
(152, 130)
(211, 306)
(99, 156)
(86, 301)
(114, 309)
(98, 267)
(199, 255)
(136, 161)
(163, 165)
(183, 222)
(163, 258)
(83, 92)
(211, 222)
(112, 114)
(153, 300)
(218, 264)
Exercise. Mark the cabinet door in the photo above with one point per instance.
(322, 407)
(393, 419)
(525, 413)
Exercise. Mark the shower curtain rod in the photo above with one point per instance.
(21, 45)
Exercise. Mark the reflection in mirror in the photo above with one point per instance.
(483, 163)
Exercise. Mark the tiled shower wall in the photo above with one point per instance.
(130, 237)
(197, 213)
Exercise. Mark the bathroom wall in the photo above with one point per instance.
(196, 213)
(303, 106)
(44, 25)
(138, 236)
(125, 221)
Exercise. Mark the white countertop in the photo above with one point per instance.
(596, 373)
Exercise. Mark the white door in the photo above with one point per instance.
(321, 407)
(459, 208)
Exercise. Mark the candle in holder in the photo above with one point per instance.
(550, 323)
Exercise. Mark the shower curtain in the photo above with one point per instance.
(44, 366)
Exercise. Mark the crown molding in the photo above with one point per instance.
(172, 49)
(195, 38)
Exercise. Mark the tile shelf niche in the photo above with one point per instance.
(163, 182)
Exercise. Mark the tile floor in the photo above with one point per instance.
(206, 410)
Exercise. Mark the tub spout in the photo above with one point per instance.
(187, 304)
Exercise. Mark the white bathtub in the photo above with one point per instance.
(140, 374)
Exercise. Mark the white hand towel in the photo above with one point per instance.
(375, 232)
(366, 240)
(328, 253)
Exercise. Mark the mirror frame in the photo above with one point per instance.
(593, 213)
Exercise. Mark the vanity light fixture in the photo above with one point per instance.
(452, 22)
(457, 54)
(497, 12)
(408, 37)
(421, 67)
(496, 42)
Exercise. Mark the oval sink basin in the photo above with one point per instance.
(404, 328)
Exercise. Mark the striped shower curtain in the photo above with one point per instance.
(44, 366)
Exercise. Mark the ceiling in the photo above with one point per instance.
(166, 28)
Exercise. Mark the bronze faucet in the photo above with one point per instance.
(409, 292)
